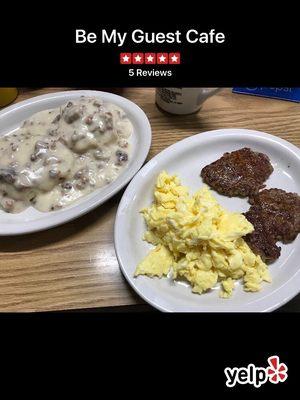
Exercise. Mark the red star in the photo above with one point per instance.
(162, 58)
(150, 58)
(138, 58)
(174, 58)
(125, 58)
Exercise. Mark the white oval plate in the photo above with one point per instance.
(186, 158)
(32, 220)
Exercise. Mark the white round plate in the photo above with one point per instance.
(186, 158)
(32, 220)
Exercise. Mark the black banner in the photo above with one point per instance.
(84, 49)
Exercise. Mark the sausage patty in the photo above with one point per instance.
(275, 215)
(281, 211)
(260, 240)
(239, 173)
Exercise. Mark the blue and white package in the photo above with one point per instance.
(290, 94)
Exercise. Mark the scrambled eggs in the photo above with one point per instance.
(198, 240)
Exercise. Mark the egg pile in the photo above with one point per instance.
(199, 241)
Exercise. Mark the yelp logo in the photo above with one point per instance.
(275, 372)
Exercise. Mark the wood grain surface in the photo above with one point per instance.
(74, 266)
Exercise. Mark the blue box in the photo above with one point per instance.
(290, 94)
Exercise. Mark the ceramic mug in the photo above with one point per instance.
(182, 100)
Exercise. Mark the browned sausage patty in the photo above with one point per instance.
(239, 173)
(275, 215)
(260, 241)
(281, 211)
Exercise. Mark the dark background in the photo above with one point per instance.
(39, 49)
(153, 355)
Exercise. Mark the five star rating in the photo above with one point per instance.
(150, 58)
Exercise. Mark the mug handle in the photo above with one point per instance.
(206, 93)
(210, 91)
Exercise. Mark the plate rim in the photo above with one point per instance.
(196, 137)
(147, 137)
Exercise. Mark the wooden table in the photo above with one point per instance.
(74, 266)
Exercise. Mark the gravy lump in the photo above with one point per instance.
(60, 155)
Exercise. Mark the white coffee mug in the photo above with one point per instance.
(182, 100)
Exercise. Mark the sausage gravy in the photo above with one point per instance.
(60, 155)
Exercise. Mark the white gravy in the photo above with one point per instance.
(60, 155)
